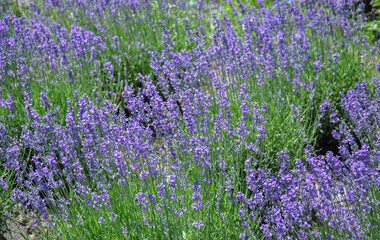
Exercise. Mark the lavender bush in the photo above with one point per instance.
(187, 120)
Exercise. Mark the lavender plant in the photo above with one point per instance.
(43, 61)
(130, 28)
(217, 139)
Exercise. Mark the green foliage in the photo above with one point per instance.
(7, 207)
(373, 25)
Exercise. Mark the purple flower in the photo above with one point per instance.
(113, 216)
(198, 224)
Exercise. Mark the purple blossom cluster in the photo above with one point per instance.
(28, 47)
(195, 122)
(331, 188)
(138, 23)
(362, 109)
(95, 146)
(328, 188)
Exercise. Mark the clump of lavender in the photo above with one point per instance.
(36, 57)
(336, 190)
(35, 46)
(211, 144)
(330, 189)
(362, 108)
(137, 24)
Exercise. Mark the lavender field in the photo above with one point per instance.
(189, 119)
